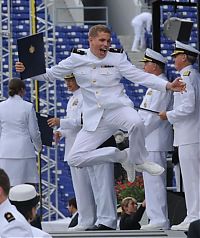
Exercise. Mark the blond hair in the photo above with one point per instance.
(94, 30)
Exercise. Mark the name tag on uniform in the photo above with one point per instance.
(107, 66)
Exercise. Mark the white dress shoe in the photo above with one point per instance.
(154, 227)
(183, 226)
(129, 167)
(150, 167)
(78, 228)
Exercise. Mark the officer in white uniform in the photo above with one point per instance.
(25, 199)
(19, 134)
(186, 123)
(12, 223)
(158, 141)
(93, 185)
(106, 107)
(140, 23)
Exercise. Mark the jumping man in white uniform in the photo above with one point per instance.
(106, 107)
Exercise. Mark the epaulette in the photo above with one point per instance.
(115, 50)
(77, 51)
(9, 216)
(186, 73)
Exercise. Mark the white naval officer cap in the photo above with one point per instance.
(69, 76)
(24, 194)
(181, 48)
(153, 56)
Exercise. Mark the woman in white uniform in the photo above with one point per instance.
(25, 199)
(19, 134)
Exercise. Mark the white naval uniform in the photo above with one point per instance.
(106, 107)
(19, 133)
(39, 233)
(88, 184)
(19, 227)
(158, 141)
(140, 23)
(185, 119)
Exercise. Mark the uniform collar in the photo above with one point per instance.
(5, 204)
(77, 92)
(189, 67)
(16, 97)
(91, 55)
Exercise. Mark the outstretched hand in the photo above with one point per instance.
(177, 85)
(163, 115)
(19, 66)
(53, 122)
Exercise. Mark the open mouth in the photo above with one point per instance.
(103, 50)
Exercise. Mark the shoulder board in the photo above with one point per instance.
(115, 50)
(77, 51)
(9, 216)
(186, 73)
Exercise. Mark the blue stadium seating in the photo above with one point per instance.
(76, 36)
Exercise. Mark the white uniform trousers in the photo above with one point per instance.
(98, 205)
(189, 157)
(155, 191)
(104, 192)
(139, 37)
(84, 152)
(85, 204)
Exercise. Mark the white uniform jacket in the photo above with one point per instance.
(185, 113)
(39, 233)
(159, 133)
(19, 131)
(18, 227)
(99, 80)
(71, 125)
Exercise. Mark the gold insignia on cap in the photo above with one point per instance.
(31, 49)
(176, 52)
(69, 76)
(9, 216)
(186, 73)
(146, 60)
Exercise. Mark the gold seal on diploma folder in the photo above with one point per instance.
(31, 54)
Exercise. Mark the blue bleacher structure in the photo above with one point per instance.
(67, 38)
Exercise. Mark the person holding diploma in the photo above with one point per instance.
(158, 141)
(19, 136)
(185, 118)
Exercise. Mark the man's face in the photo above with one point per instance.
(178, 61)
(149, 67)
(71, 84)
(100, 44)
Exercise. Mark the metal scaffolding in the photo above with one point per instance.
(45, 94)
(5, 48)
